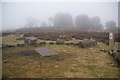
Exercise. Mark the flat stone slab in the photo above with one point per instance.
(45, 52)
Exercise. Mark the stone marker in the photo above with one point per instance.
(87, 43)
(30, 40)
(60, 41)
(111, 41)
(45, 52)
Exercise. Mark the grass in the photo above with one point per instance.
(71, 61)
(74, 62)
(47, 41)
(11, 40)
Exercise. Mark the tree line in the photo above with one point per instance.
(82, 21)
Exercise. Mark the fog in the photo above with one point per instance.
(17, 14)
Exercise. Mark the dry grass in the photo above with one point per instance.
(71, 62)
(11, 40)
(47, 41)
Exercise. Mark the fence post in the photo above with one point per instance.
(111, 41)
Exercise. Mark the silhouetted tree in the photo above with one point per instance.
(111, 26)
(95, 24)
(82, 21)
(63, 20)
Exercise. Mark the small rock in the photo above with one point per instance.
(64, 50)
(59, 59)
(74, 65)
(56, 66)
(103, 50)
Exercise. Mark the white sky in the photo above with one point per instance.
(59, 0)
(16, 13)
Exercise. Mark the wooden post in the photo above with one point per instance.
(111, 41)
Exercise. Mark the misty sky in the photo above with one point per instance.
(16, 14)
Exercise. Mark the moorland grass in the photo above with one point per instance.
(71, 62)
